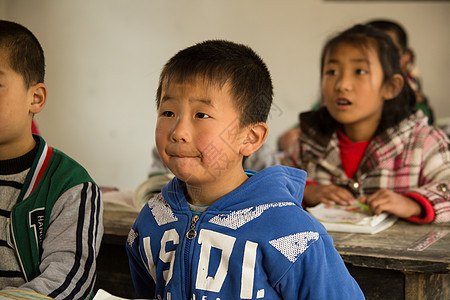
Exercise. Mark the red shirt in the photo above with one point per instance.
(351, 153)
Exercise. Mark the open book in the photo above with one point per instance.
(352, 218)
(21, 295)
(115, 200)
(104, 295)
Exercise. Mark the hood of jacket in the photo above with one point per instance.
(273, 184)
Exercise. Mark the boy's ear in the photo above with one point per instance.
(256, 135)
(38, 97)
(393, 87)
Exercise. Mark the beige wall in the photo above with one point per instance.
(104, 58)
(3, 9)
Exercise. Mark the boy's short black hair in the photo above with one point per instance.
(397, 29)
(26, 56)
(218, 62)
(363, 37)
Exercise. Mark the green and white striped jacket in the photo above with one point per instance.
(57, 226)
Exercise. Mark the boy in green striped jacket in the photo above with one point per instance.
(50, 208)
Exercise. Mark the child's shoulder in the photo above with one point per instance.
(420, 128)
(317, 122)
(51, 164)
(64, 165)
(415, 134)
(157, 208)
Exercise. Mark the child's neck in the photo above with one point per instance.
(17, 149)
(359, 133)
(207, 195)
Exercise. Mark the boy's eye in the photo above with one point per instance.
(361, 71)
(202, 116)
(167, 114)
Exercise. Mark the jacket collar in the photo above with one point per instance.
(37, 169)
(286, 184)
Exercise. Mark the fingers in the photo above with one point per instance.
(391, 202)
(379, 205)
(341, 196)
(384, 200)
(331, 194)
(377, 202)
(328, 194)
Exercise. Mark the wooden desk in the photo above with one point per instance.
(381, 263)
(113, 273)
(386, 269)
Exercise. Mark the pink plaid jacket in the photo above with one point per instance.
(412, 158)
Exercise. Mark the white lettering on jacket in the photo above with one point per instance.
(168, 257)
(208, 239)
(213, 283)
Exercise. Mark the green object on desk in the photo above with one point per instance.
(364, 206)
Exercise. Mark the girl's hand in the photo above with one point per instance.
(385, 200)
(329, 194)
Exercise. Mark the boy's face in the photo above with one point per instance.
(198, 136)
(15, 116)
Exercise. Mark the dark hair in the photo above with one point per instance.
(364, 37)
(399, 31)
(218, 62)
(26, 56)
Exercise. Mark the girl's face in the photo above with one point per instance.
(353, 90)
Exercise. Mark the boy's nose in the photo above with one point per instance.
(181, 131)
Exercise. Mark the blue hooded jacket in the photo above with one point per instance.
(256, 242)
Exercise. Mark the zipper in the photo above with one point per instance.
(190, 235)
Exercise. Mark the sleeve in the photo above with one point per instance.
(434, 177)
(71, 245)
(428, 210)
(319, 273)
(143, 282)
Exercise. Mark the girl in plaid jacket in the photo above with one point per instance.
(367, 142)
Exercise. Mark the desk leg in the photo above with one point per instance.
(113, 273)
(378, 284)
(421, 286)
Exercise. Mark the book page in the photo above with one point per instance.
(352, 214)
(104, 295)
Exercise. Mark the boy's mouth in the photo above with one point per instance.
(182, 154)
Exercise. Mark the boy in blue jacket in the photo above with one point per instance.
(217, 231)
(50, 208)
